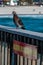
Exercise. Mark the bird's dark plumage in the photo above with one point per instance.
(17, 21)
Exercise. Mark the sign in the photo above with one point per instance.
(26, 50)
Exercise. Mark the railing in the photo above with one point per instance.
(7, 54)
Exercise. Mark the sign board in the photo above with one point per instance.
(26, 50)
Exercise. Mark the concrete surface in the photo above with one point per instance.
(22, 9)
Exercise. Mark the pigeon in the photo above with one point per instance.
(17, 21)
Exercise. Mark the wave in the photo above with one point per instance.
(38, 16)
(32, 16)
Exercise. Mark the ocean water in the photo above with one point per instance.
(31, 22)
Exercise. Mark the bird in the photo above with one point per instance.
(17, 21)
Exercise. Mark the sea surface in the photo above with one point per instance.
(31, 22)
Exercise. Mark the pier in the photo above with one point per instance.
(11, 38)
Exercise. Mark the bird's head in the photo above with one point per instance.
(13, 12)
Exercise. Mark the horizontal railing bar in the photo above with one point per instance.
(27, 33)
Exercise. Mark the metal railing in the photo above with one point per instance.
(8, 57)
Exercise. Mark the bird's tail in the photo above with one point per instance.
(22, 27)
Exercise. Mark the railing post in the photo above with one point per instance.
(34, 43)
(6, 49)
(11, 48)
(0, 49)
(38, 60)
(29, 60)
(14, 56)
(41, 54)
(18, 56)
(3, 49)
(25, 59)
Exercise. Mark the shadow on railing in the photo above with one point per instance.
(20, 47)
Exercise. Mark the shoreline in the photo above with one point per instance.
(21, 9)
